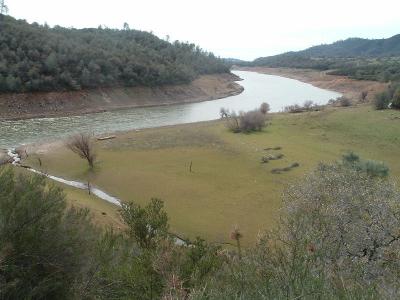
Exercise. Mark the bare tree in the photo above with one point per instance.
(363, 96)
(82, 145)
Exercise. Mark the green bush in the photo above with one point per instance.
(50, 251)
(370, 167)
(351, 158)
(145, 224)
(46, 249)
(396, 99)
(382, 100)
(337, 238)
(375, 168)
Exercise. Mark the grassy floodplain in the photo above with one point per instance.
(228, 184)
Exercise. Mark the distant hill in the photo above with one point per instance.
(35, 57)
(356, 47)
(375, 59)
(349, 48)
(233, 61)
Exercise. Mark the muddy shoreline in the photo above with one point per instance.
(69, 103)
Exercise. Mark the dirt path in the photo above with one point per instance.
(348, 87)
(34, 105)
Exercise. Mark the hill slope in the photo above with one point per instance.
(358, 58)
(38, 58)
(349, 48)
(356, 47)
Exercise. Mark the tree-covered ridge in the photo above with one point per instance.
(349, 48)
(36, 57)
(355, 47)
(355, 57)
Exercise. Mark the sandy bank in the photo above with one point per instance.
(34, 105)
(350, 88)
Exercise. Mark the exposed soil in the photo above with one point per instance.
(350, 88)
(34, 105)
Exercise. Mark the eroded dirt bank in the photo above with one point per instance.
(348, 87)
(52, 104)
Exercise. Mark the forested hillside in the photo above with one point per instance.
(355, 57)
(356, 47)
(35, 57)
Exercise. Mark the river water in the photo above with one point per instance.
(258, 88)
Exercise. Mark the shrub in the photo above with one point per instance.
(295, 108)
(46, 249)
(145, 224)
(382, 100)
(264, 108)
(375, 168)
(396, 99)
(337, 238)
(332, 102)
(50, 251)
(354, 221)
(253, 120)
(370, 167)
(363, 96)
(350, 158)
(344, 101)
(233, 122)
(308, 105)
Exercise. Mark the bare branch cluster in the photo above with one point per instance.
(82, 145)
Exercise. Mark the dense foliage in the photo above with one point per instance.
(51, 251)
(356, 47)
(357, 58)
(337, 238)
(46, 251)
(35, 57)
(388, 98)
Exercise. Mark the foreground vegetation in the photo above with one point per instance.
(337, 237)
(229, 184)
(36, 57)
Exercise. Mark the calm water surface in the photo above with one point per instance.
(258, 88)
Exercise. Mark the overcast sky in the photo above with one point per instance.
(241, 29)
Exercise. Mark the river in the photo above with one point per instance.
(277, 91)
